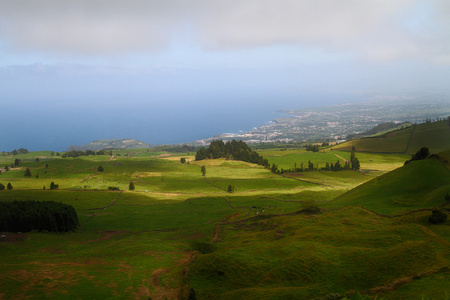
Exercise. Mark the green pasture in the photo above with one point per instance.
(435, 136)
(138, 244)
(416, 185)
(309, 256)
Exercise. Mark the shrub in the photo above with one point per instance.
(113, 188)
(437, 216)
(203, 247)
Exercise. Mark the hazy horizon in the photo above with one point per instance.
(179, 70)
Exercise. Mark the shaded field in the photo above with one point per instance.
(139, 244)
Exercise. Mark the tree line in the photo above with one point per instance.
(75, 153)
(241, 151)
(352, 164)
(237, 150)
(25, 216)
(16, 151)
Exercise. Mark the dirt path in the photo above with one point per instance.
(342, 158)
(103, 208)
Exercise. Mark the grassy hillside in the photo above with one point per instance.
(435, 136)
(416, 185)
(141, 244)
(308, 256)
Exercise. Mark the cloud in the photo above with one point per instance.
(375, 29)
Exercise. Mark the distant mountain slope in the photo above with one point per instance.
(111, 144)
(435, 136)
(418, 184)
(380, 129)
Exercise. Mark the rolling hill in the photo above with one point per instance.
(435, 136)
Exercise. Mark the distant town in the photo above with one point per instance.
(336, 123)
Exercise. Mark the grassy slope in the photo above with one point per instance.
(435, 136)
(344, 249)
(416, 185)
(139, 246)
(307, 256)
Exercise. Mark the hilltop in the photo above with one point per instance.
(434, 135)
(111, 144)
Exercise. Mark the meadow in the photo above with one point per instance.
(266, 242)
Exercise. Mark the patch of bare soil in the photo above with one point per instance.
(105, 235)
(12, 237)
(401, 281)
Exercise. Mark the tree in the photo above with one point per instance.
(37, 159)
(54, 186)
(16, 162)
(100, 169)
(131, 186)
(182, 160)
(419, 155)
(6, 168)
(9, 186)
(28, 172)
(191, 295)
(230, 189)
(203, 169)
(437, 216)
(2, 186)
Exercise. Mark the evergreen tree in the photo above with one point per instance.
(2, 186)
(354, 160)
(37, 159)
(28, 172)
(191, 295)
(100, 169)
(9, 186)
(203, 169)
(131, 186)
(16, 162)
(183, 160)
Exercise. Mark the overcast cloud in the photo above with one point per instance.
(159, 70)
(374, 29)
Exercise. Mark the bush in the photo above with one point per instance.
(203, 247)
(113, 188)
(437, 217)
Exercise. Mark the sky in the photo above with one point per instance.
(173, 71)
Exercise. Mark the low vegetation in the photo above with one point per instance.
(152, 225)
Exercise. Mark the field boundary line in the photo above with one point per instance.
(103, 208)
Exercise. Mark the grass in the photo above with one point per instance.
(138, 244)
(311, 256)
(435, 136)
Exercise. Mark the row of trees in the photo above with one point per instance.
(310, 166)
(15, 152)
(25, 216)
(241, 151)
(352, 164)
(8, 186)
(75, 153)
(232, 150)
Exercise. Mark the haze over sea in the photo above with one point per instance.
(52, 128)
(168, 72)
